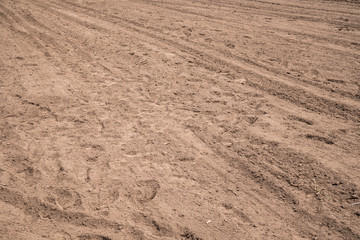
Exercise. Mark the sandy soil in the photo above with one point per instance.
(179, 119)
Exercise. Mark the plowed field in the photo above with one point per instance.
(179, 119)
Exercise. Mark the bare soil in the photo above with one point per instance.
(179, 119)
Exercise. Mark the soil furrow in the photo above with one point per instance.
(179, 119)
(272, 87)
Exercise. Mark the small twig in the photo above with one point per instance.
(232, 192)
(59, 206)
(355, 203)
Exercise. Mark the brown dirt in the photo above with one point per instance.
(179, 119)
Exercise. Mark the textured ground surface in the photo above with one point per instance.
(179, 119)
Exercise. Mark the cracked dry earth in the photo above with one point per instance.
(179, 119)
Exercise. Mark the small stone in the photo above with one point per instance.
(241, 80)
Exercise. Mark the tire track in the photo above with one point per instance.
(39, 34)
(259, 163)
(263, 3)
(289, 178)
(286, 194)
(275, 8)
(276, 87)
(307, 7)
(345, 44)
